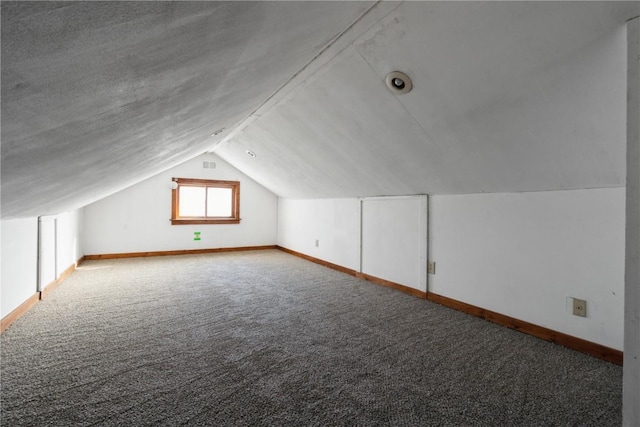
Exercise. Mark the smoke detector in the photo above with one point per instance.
(398, 82)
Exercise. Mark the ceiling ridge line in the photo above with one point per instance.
(280, 90)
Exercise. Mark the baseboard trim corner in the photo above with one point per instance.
(593, 349)
(176, 252)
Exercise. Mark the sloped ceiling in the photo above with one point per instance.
(97, 96)
(508, 96)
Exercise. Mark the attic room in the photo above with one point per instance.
(498, 177)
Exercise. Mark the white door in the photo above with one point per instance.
(394, 239)
(47, 251)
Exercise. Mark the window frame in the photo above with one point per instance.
(176, 219)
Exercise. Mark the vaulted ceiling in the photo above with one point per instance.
(507, 96)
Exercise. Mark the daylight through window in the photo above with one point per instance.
(205, 201)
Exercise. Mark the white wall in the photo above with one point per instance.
(137, 219)
(68, 239)
(393, 246)
(334, 223)
(395, 229)
(19, 262)
(631, 370)
(20, 254)
(525, 254)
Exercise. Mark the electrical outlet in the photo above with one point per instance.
(579, 307)
(431, 267)
(317, 243)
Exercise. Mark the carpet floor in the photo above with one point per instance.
(264, 338)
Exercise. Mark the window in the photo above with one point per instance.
(205, 201)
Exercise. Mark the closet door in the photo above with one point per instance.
(47, 251)
(394, 239)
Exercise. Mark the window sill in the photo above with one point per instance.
(179, 221)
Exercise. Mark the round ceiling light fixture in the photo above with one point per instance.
(398, 82)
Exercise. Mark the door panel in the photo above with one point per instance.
(47, 255)
(394, 239)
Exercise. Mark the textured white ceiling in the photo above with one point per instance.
(97, 96)
(508, 96)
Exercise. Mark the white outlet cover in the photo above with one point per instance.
(569, 305)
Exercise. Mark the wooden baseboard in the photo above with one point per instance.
(19, 311)
(596, 350)
(367, 277)
(33, 299)
(393, 285)
(319, 261)
(177, 252)
(53, 285)
(601, 352)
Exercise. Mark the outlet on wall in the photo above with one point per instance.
(431, 267)
(317, 243)
(579, 307)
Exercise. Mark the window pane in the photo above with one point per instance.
(219, 202)
(192, 201)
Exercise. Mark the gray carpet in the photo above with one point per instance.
(267, 339)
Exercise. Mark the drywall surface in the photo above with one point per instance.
(137, 219)
(507, 97)
(333, 223)
(125, 90)
(68, 239)
(525, 254)
(60, 245)
(19, 262)
(60, 248)
(47, 263)
(631, 373)
(394, 239)
(384, 237)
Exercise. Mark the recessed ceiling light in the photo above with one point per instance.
(251, 153)
(399, 82)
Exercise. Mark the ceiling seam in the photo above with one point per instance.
(280, 89)
(415, 120)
